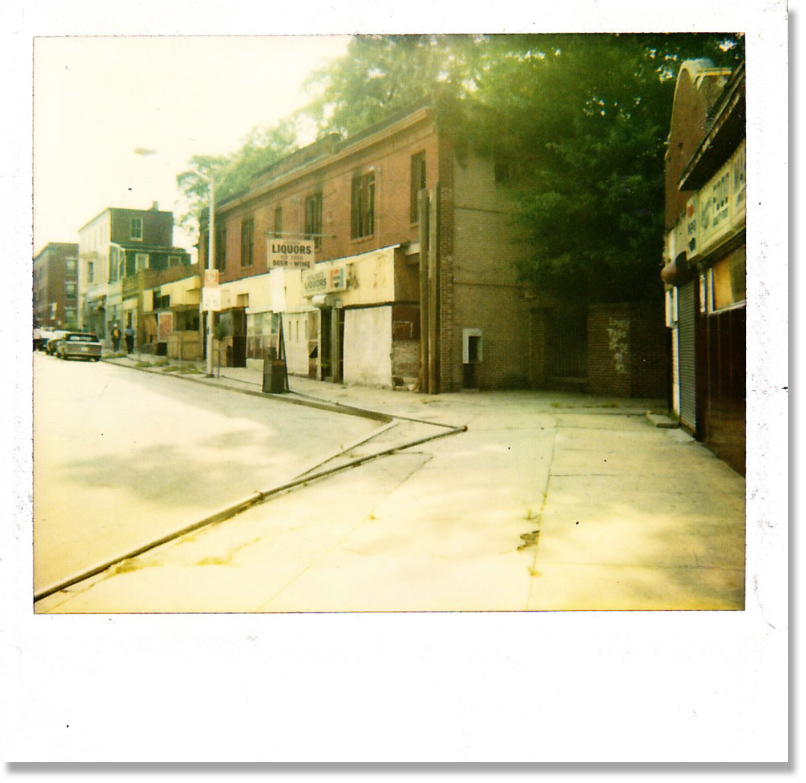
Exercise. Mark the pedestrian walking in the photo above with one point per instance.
(116, 338)
(129, 335)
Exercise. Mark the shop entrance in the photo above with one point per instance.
(332, 344)
(238, 357)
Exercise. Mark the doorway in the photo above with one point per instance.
(239, 338)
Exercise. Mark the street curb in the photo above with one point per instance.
(662, 421)
(332, 407)
(234, 509)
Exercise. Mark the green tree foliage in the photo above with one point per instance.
(382, 74)
(232, 174)
(585, 118)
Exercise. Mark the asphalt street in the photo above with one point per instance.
(124, 457)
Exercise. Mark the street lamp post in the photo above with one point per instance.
(210, 266)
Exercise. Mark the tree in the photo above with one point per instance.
(586, 118)
(382, 74)
(232, 174)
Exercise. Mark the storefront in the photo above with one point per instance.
(705, 274)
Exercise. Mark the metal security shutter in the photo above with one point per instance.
(686, 315)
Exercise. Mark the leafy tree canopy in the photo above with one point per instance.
(381, 74)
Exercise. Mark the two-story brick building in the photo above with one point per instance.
(116, 249)
(55, 286)
(704, 256)
(414, 280)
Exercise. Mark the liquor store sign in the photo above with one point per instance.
(324, 281)
(294, 254)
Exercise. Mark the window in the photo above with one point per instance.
(278, 221)
(70, 290)
(221, 249)
(313, 219)
(363, 205)
(727, 279)
(136, 232)
(90, 271)
(141, 261)
(71, 266)
(113, 266)
(247, 242)
(417, 184)
(174, 260)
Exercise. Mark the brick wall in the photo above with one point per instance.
(388, 155)
(627, 350)
(483, 288)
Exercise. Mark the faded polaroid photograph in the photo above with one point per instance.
(389, 323)
(398, 391)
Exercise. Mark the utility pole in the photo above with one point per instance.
(210, 267)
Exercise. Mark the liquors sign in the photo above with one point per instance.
(290, 254)
(324, 281)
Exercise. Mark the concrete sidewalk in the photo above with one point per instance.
(548, 501)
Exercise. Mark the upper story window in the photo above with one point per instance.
(221, 249)
(136, 229)
(417, 184)
(248, 242)
(70, 266)
(114, 266)
(313, 219)
(141, 261)
(363, 205)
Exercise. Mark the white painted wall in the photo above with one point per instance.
(368, 346)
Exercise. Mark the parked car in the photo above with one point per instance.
(41, 337)
(53, 342)
(79, 345)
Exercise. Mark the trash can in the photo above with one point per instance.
(274, 374)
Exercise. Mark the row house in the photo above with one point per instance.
(124, 256)
(404, 271)
(704, 256)
(55, 286)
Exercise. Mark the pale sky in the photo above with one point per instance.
(96, 99)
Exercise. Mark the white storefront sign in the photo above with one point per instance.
(720, 205)
(324, 281)
(290, 254)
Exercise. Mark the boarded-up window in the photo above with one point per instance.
(729, 286)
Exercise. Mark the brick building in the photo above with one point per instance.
(414, 280)
(55, 286)
(117, 250)
(704, 256)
